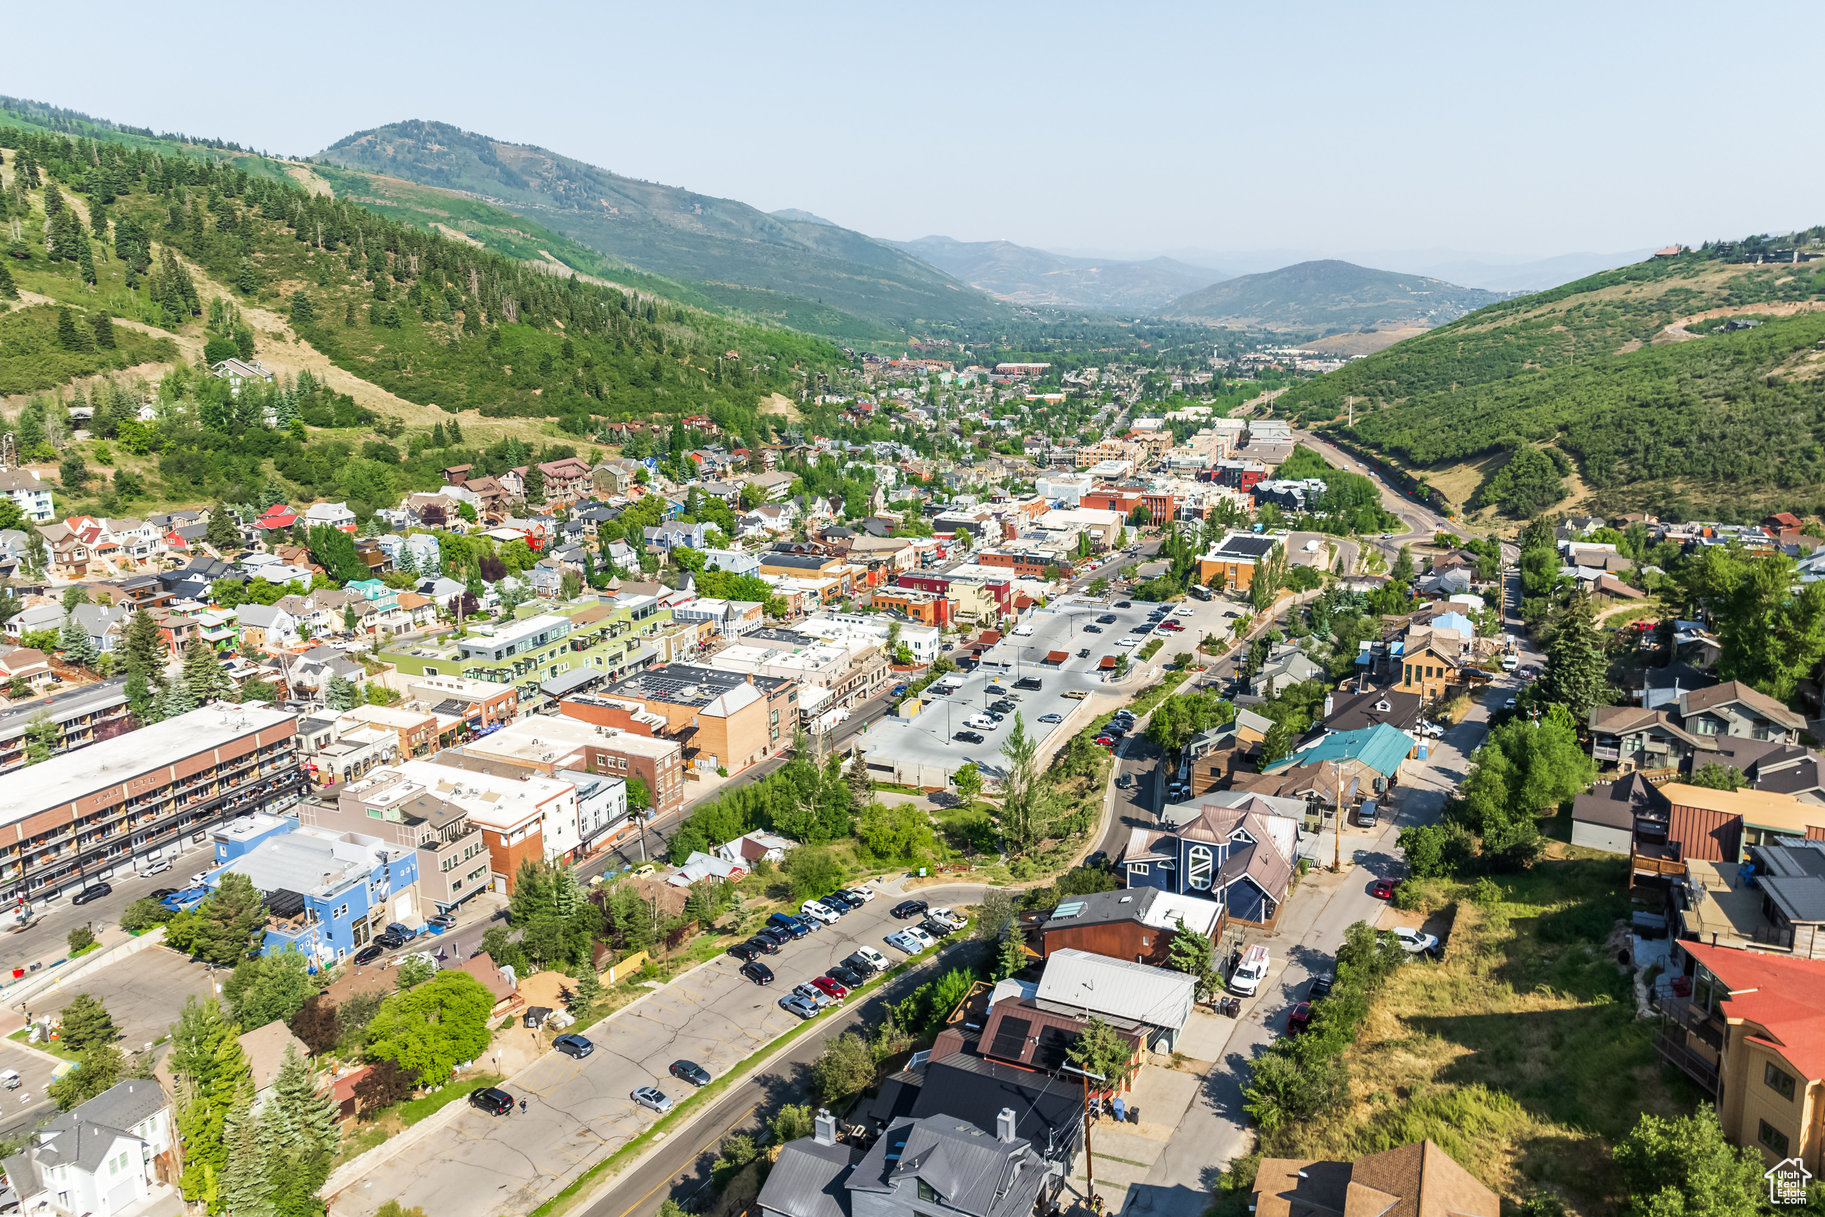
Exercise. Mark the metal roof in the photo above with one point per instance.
(1081, 980)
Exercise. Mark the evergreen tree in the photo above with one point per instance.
(105, 338)
(223, 535)
(85, 260)
(86, 1022)
(78, 648)
(175, 699)
(143, 648)
(407, 564)
(246, 1189)
(68, 336)
(339, 694)
(213, 1077)
(8, 289)
(246, 280)
(142, 699)
(203, 674)
(1577, 669)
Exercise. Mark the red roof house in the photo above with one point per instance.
(276, 518)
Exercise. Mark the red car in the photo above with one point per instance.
(1384, 889)
(830, 988)
(1105, 741)
(1299, 1018)
(1172, 627)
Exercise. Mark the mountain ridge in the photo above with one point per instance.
(1327, 296)
(738, 253)
(1028, 275)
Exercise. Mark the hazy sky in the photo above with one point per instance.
(1524, 130)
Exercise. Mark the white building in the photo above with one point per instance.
(24, 487)
(99, 1159)
(924, 641)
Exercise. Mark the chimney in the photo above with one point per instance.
(824, 1127)
(1004, 1125)
(1327, 705)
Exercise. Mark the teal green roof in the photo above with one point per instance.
(1381, 748)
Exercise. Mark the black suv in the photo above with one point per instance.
(744, 951)
(936, 928)
(757, 972)
(1106, 619)
(1004, 706)
(1029, 683)
(909, 908)
(766, 946)
(848, 977)
(491, 1099)
(968, 737)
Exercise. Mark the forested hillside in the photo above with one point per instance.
(123, 258)
(1632, 373)
(805, 273)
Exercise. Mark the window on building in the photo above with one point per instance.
(1773, 1138)
(929, 1194)
(1137, 868)
(1778, 1081)
(1198, 867)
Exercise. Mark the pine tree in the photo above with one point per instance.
(174, 700)
(8, 289)
(203, 673)
(143, 648)
(246, 280)
(142, 699)
(105, 338)
(407, 564)
(339, 694)
(78, 649)
(85, 259)
(68, 336)
(246, 1187)
(299, 1130)
(213, 1077)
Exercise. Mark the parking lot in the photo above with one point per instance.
(925, 751)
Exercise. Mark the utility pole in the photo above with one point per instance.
(1089, 1159)
(1337, 828)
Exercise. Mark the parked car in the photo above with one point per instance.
(948, 916)
(653, 1099)
(968, 737)
(765, 944)
(869, 958)
(1413, 942)
(690, 1071)
(1299, 1018)
(1510, 663)
(896, 690)
(792, 1003)
(912, 940)
(442, 921)
(1077, 694)
(1368, 815)
(1384, 889)
(95, 891)
(1082, 653)
(369, 953)
(790, 924)
(491, 1099)
(389, 941)
(156, 866)
(1249, 974)
(1107, 619)
(1031, 684)
(573, 1045)
(1127, 642)
(935, 929)
(404, 933)
(830, 987)
(909, 908)
(1124, 604)
(1051, 718)
(1320, 986)
(1172, 627)
(863, 894)
(757, 972)
(849, 976)
(744, 951)
(1106, 741)
(1509, 704)
(813, 994)
(1004, 706)
(1093, 629)
(1097, 860)
(838, 903)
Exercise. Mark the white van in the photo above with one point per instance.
(1024, 630)
(1250, 972)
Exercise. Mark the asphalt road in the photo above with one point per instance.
(475, 1165)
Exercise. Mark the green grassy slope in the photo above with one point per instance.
(784, 267)
(1717, 423)
(1326, 297)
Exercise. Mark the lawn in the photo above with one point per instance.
(391, 1121)
(1518, 1053)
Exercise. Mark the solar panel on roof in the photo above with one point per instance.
(1010, 1038)
(1063, 912)
(1054, 1044)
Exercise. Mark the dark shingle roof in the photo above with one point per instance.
(807, 1180)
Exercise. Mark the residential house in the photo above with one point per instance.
(32, 495)
(70, 557)
(1414, 1180)
(266, 626)
(108, 1155)
(25, 665)
(1241, 858)
(566, 479)
(1430, 662)
(240, 372)
(1690, 728)
(1213, 757)
(1286, 665)
(1232, 562)
(1746, 1030)
(1122, 924)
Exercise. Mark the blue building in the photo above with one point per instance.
(1241, 857)
(327, 893)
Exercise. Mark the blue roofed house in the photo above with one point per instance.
(376, 593)
(327, 893)
(1369, 753)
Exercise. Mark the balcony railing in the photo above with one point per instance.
(1674, 1051)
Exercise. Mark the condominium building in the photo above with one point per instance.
(87, 814)
(81, 716)
(453, 860)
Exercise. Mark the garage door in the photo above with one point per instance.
(123, 1195)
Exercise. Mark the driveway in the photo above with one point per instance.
(474, 1165)
(1215, 1129)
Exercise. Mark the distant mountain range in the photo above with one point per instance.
(1327, 297)
(1037, 276)
(795, 268)
(1491, 271)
